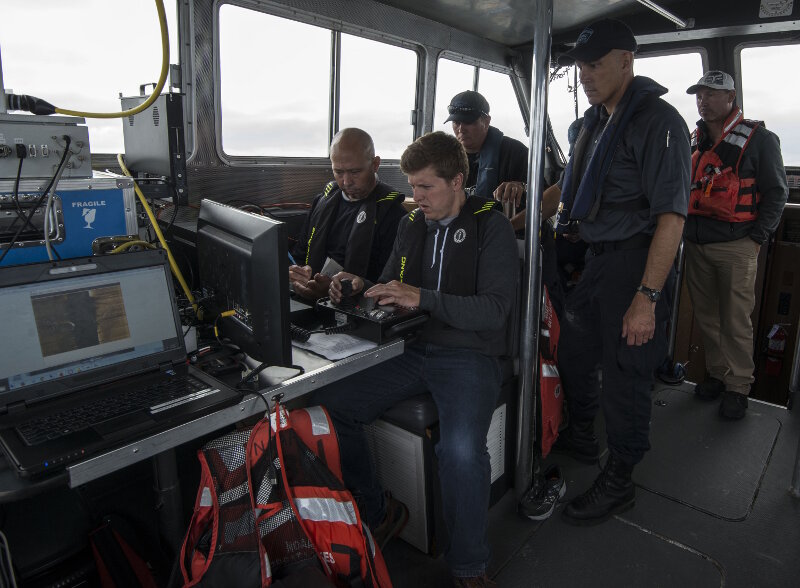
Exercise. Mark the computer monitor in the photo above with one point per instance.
(244, 267)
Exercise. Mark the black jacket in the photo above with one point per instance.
(357, 235)
(470, 299)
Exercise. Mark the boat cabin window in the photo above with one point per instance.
(769, 93)
(282, 107)
(676, 72)
(378, 92)
(272, 106)
(453, 77)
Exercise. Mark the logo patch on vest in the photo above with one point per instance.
(459, 236)
(362, 216)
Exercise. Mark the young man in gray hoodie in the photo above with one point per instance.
(456, 258)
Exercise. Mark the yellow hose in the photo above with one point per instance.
(129, 244)
(162, 21)
(154, 222)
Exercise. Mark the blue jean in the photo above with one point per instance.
(465, 386)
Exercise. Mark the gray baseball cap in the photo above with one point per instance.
(714, 79)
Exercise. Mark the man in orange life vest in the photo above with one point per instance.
(737, 196)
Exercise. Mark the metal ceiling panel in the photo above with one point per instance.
(510, 22)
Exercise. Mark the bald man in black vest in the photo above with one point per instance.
(353, 221)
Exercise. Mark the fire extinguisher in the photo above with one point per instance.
(776, 346)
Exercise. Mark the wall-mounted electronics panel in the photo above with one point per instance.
(39, 142)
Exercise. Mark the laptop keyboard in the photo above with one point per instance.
(157, 397)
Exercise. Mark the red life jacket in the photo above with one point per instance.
(271, 500)
(717, 190)
(549, 379)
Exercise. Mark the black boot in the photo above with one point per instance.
(579, 442)
(611, 493)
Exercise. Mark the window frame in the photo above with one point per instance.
(737, 58)
(336, 28)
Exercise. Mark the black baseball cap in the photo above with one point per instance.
(467, 107)
(598, 39)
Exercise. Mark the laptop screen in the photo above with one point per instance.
(83, 324)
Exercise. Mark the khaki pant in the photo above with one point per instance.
(721, 281)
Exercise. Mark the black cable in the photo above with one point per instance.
(299, 333)
(68, 141)
(575, 92)
(20, 212)
(247, 378)
(345, 328)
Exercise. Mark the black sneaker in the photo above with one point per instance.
(733, 406)
(538, 503)
(709, 389)
(393, 522)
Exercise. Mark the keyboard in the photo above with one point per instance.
(156, 396)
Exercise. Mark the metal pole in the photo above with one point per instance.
(795, 489)
(2, 88)
(794, 389)
(664, 12)
(529, 334)
(336, 78)
(676, 298)
(167, 486)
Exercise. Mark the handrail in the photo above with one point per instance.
(532, 299)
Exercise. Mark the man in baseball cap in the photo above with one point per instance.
(737, 196)
(625, 192)
(498, 165)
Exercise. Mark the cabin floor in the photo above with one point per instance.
(713, 508)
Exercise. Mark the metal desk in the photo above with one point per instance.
(156, 444)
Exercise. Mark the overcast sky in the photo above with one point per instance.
(268, 108)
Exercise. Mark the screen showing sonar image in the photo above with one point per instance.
(67, 321)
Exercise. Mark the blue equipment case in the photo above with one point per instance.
(83, 211)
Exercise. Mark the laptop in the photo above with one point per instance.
(92, 356)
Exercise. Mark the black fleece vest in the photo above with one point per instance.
(359, 244)
(465, 234)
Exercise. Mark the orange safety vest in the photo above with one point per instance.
(271, 500)
(717, 190)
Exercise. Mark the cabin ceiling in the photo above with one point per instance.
(511, 22)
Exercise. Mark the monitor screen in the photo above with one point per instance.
(243, 263)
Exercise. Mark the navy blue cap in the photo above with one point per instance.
(467, 107)
(596, 40)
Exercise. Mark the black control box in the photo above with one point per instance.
(375, 322)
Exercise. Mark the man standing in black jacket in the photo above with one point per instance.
(626, 186)
(456, 258)
(353, 222)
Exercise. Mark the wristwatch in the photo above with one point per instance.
(652, 295)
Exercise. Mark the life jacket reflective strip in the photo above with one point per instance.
(253, 516)
(329, 518)
(717, 190)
